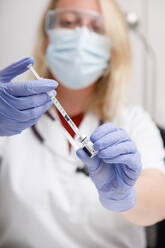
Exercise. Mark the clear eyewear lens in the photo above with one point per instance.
(72, 18)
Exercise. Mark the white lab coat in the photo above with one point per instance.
(45, 204)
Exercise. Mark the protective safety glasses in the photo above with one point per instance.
(72, 18)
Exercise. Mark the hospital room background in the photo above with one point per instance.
(146, 20)
(147, 85)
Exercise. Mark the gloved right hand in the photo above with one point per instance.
(22, 103)
(116, 167)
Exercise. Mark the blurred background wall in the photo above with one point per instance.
(19, 20)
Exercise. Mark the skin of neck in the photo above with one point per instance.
(74, 101)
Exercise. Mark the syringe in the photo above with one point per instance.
(87, 145)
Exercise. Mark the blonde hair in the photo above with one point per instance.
(110, 90)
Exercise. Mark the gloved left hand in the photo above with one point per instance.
(115, 168)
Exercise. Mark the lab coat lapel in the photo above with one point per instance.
(89, 124)
(49, 130)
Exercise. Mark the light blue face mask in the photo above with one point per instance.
(77, 57)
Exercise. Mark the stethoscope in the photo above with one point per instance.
(78, 169)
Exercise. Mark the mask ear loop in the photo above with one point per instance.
(107, 71)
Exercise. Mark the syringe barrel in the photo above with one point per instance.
(64, 114)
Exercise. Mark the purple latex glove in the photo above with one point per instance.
(22, 103)
(115, 168)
